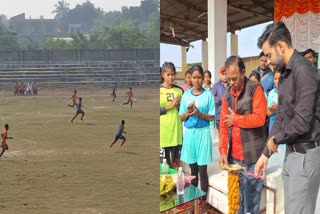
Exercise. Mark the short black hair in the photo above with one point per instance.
(207, 72)
(235, 60)
(168, 65)
(273, 33)
(261, 54)
(187, 72)
(256, 74)
(122, 122)
(309, 51)
(197, 68)
(6, 126)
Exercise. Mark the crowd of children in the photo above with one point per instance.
(21, 88)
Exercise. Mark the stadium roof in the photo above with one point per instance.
(185, 21)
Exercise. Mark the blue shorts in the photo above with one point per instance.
(197, 146)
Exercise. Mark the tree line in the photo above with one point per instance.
(132, 27)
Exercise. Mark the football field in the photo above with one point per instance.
(54, 166)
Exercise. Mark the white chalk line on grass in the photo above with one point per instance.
(17, 154)
(14, 152)
(25, 139)
(100, 107)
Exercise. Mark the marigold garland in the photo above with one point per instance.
(233, 192)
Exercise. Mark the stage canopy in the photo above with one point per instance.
(185, 21)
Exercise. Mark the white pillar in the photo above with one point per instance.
(184, 59)
(217, 36)
(234, 44)
(204, 51)
(319, 61)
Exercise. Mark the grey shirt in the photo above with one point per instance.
(120, 130)
(295, 121)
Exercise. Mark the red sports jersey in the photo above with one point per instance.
(74, 98)
(129, 95)
(4, 135)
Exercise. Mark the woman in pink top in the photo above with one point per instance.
(187, 78)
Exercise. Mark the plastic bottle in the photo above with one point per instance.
(164, 167)
(180, 183)
(179, 199)
(162, 155)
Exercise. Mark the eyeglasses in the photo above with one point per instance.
(234, 79)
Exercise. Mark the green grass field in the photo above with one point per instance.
(53, 166)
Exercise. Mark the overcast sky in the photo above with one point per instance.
(37, 8)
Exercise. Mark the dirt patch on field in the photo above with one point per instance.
(88, 211)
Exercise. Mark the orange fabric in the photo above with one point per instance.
(74, 98)
(4, 135)
(253, 120)
(129, 95)
(288, 7)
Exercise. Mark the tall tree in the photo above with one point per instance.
(84, 14)
(109, 20)
(80, 41)
(153, 31)
(9, 42)
(126, 35)
(62, 8)
(57, 44)
(3, 24)
(148, 7)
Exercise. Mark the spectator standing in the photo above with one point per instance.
(218, 91)
(273, 100)
(170, 123)
(255, 76)
(207, 80)
(34, 88)
(266, 75)
(197, 110)
(297, 123)
(187, 78)
(242, 131)
(310, 55)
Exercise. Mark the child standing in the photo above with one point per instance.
(197, 110)
(187, 78)
(34, 88)
(207, 80)
(273, 100)
(119, 135)
(79, 110)
(16, 89)
(170, 123)
(4, 136)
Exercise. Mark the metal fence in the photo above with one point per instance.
(77, 56)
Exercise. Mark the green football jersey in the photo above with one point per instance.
(170, 123)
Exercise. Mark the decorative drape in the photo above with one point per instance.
(289, 7)
(302, 18)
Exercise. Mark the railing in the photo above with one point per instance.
(77, 56)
